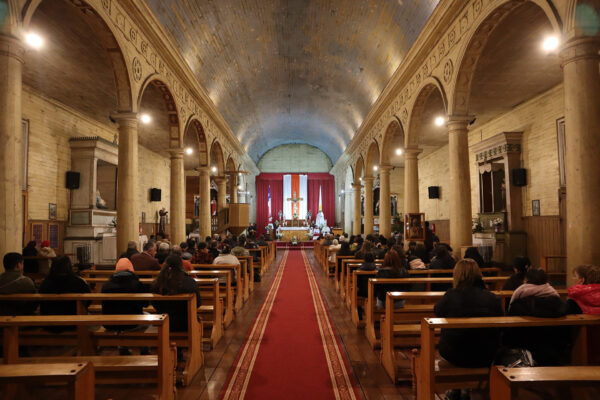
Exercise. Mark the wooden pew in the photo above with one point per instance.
(158, 368)
(250, 271)
(238, 289)
(431, 379)
(506, 382)
(337, 269)
(355, 300)
(78, 378)
(373, 314)
(400, 327)
(348, 266)
(261, 260)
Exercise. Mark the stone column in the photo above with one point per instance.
(385, 224)
(357, 217)
(204, 208)
(221, 192)
(233, 188)
(127, 196)
(411, 180)
(460, 184)
(177, 197)
(582, 121)
(11, 205)
(368, 182)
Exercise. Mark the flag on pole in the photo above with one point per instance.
(269, 204)
(320, 202)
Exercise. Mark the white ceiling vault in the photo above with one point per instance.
(293, 71)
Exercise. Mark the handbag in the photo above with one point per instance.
(513, 358)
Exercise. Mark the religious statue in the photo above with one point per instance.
(320, 220)
(295, 206)
(100, 202)
(308, 215)
(162, 223)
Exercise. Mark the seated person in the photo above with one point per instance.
(442, 258)
(394, 266)
(474, 255)
(362, 281)
(146, 261)
(202, 255)
(536, 298)
(163, 252)
(174, 280)
(227, 258)
(469, 297)
(46, 250)
(131, 250)
(30, 266)
(240, 249)
(584, 298)
(419, 258)
(61, 279)
(12, 281)
(333, 249)
(521, 265)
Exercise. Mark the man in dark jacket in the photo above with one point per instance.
(12, 281)
(131, 250)
(146, 260)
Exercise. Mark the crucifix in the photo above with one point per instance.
(295, 208)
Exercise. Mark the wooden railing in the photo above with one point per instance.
(220, 222)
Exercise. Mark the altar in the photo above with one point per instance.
(288, 232)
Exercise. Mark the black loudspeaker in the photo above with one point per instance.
(519, 177)
(154, 194)
(72, 180)
(434, 192)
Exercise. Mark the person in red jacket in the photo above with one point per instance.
(584, 298)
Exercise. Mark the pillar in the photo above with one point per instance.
(357, 217)
(204, 208)
(127, 199)
(385, 217)
(582, 120)
(11, 205)
(411, 180)
(368, 182)
(221, 192)
(233, 188)
(460, 184)
(177, 196)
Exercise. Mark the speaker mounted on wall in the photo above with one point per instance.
(72, 180)
(154, 194)
(434, 192)
(519, 176)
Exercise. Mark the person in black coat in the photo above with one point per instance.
(535, 297)
(474, 255)
(469, 297)
(174, 280)
(30, 266)
(521, 265)
(442, 259)
(61, 279)
(394, 266)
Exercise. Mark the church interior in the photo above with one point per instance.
(329, 199)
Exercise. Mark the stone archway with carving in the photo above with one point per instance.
(195, 132)
(429, 86)
(394, 130)
(175, 134)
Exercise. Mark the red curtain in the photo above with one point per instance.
(327, 184)
(275, 180)
(263, 181)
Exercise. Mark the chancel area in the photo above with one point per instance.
(328, 199)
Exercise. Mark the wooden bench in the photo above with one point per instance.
(250, 271)
(401, 327)
(506, 382)
(242, 279)
(191, 338)
(431, 379)
(373, 313)
(158, 369)
(78, 378)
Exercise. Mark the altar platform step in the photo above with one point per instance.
(302, 245)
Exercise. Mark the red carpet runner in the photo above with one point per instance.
(292, 351)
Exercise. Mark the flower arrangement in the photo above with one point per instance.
(476, 226)
(309, 236)
(496, 222)
(279, 235)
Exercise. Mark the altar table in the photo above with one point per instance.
(288, 232)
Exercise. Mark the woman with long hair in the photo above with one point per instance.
(394, 266)
(172, 279)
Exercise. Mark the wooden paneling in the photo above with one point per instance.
(44, 229)
(442, 229)
(543, 237)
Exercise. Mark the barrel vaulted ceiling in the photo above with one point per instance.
(293, 71)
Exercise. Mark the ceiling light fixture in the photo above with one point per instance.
(399, 151)
(189, 151)
(439, 121)
(550, 43)
(214, 169)
(145, 118)
(34, 40)
(375, 167)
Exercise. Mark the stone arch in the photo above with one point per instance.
(175, 138)
(475, 44)
(358, 170)
(230, 164)
(194, 136)
(393, 134)
(372, 159)
(216, 157)
(108, 37)
(428, 87)
(572, 25)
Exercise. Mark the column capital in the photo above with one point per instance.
(124, 117)
(203, 171)
(356, 186)
(11, 46)
(176, 152)
(579, 48)
(458, 122)
(385, 169)
(220, 179)
(366, 179)
(412, 152)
